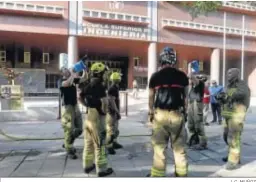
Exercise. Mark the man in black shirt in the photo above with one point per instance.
(113, 114)
(94, 97)
(167, 93)
(71, 117)
(195, 113)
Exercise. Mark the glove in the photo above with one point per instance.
(225, 136)
(222, 97)
(150, 117)
(118, 116)
(84, 58)
(185, 117)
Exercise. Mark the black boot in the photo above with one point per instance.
(177, 175)
(117, 145)
(225, 159)
(148, 175)
(73, 149)
(200, 147)
(111, 151)
(72, 155)
(87, 170)
(105, 173)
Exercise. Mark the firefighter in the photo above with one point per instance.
(95, 98)
(236, 102)
(167, 93)
(195, 113)
(113, 114)
(71, 117)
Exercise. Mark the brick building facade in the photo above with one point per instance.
(127, 35)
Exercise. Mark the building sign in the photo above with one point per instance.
(116, 5)
(13, 97)
(63, 60)
(110, 30)
(6, 91)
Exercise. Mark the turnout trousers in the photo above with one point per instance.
(112, 129)
(195, 122)
(94, 141)
(71, 119)
(233, 127)
(168, 126)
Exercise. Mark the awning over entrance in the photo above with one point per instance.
(50, 42)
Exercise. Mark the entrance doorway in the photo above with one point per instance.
(114, 63)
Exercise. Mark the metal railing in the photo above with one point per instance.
(239, 5)
(31, 7)
(115, 16)
(206, 27)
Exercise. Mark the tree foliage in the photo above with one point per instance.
(197, 8)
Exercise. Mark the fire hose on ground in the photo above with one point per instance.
(19, 138)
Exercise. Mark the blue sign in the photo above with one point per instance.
(195, 66)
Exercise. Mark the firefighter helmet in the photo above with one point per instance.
(98, 67)
(168, 56)
(115, 76)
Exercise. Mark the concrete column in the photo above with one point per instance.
(152, 59)
(72, 50)
(215, 65)
(189, 68)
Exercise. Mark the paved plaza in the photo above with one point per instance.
(46, 158)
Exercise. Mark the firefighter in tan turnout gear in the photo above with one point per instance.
(71, 117)
(113, 115)
(235, 101)
(95, 98)
(195, 113)
(167, 93)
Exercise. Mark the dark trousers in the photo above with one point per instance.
(216, 111)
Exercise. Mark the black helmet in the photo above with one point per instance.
(168, 56)
(201, 77)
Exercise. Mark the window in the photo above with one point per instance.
(112, 16)
(201, 65)
(26, 57)
(142, 82)
(144, 19)
(30, 7)
(104, 15)
(2, 56)
(2, 53)
(136, 18)
(50, 9)
(86, 13)
(127, 17)
(120, 17)
(52, 80)
(40, 8)
(95, 14)
(46, 58)
(136, 61)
